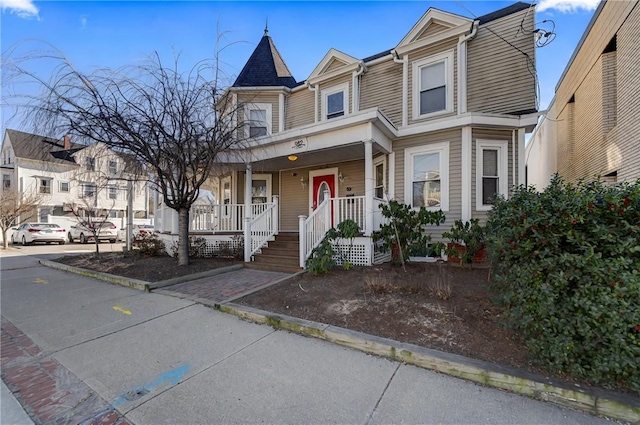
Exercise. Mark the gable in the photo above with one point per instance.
(431, 30)
(433, 27)
(334, 63)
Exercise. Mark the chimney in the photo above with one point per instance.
(67, 142)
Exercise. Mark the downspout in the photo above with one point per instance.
(315, 101)
(405, 85)
(462, 68)
(355, 95)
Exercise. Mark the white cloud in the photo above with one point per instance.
(83, 22)
(567, 6)
(22, 8)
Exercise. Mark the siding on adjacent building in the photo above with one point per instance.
(454, 137)
(628, 75)
(500, 79)
(489, 134)
(381, 87)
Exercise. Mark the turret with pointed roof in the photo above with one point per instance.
(265, 67)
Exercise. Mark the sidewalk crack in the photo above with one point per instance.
(384, 391)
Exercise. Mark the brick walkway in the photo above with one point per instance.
(226, 286)
(48, 391)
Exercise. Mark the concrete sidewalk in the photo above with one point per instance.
(122, 356)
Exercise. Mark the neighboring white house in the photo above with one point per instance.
(90, 179)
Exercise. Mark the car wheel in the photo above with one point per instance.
(13, 242)
(83, 238)
(70, 237)
(112, 240)
(24, 241)
(61, 243)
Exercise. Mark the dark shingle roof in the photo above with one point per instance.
(265, 68)
(501, 13)
(39, 148)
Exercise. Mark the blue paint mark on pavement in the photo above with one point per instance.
(172, 376)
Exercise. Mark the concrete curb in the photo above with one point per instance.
(118, 280)
(135, 283)
(597, 402)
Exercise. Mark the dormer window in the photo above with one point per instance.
(113, 167)
(335, 102)
(258, 120)
(433, 85)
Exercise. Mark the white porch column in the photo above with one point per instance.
(369, 189)
(521, 176)
(275, 217)
(302, 239)
(466, 174)
(247, 214)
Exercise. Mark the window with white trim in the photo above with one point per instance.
(113, 167)
(45, 185)
(90, 163)
(433, 85)
(63, 187)
(335, 101)
(6, 182)
(113, 192)
(258, 118)
(379, 176)
(427, 176)
(88, 190)
(491, 172)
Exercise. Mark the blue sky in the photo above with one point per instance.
(116, 33)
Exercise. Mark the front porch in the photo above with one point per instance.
(224, 224)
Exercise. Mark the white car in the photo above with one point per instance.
(87, 231)
(28, 233)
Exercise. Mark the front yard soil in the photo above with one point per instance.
(439, 306)
(148, 269)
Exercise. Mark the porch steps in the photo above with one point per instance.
(280, 255)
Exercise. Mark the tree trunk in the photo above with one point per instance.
(183, 236)
(97, 242)
(5, 242)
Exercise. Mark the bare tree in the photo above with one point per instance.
(175, 123)
(13, 206)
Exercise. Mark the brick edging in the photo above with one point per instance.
(609, 404)
(47, 391)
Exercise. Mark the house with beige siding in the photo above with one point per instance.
(592, 127)
(438, 121)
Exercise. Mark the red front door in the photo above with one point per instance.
(320, 185)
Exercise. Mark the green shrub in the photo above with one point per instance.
(406, 228)
(469, 233)
(567, 268)
(322, 258)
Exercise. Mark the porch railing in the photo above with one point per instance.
(222, 217)
(313, 228)
(349, 208)
(263, 226)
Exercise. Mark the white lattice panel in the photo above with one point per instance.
(360, 254)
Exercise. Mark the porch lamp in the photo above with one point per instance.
(292, 157)
(340, 177)
(303, 182)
